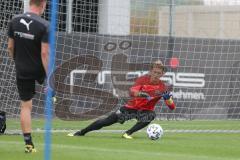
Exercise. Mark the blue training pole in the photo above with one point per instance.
(48, 103)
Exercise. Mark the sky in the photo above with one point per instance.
(222, 2)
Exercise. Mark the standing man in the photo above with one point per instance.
(145, 93)
(28, 46)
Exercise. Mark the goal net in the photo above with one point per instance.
(102, 45)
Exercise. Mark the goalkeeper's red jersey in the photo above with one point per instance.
(154, 90)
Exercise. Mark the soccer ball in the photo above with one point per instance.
(154, 131)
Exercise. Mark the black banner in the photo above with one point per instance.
(94, 72)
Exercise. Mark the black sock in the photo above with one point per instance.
(111, 119)
(137, 126)
(28, 138)
(79, 133)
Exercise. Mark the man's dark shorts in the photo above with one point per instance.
(26, 88)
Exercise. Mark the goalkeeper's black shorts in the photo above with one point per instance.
(125, 114)
(26, 88)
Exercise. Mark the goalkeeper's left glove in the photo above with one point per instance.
(166, 95)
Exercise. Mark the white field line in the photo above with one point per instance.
(122, 131)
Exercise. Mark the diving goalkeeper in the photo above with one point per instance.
(145, 93)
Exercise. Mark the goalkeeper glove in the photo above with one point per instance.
(54, 99)
(166, 95)
(143, 94)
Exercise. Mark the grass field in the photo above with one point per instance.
(110, 145)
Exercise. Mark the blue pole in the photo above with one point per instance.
(48, 103)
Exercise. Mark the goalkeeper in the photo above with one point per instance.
(145, 93)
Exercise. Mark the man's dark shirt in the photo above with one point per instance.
(28, 31)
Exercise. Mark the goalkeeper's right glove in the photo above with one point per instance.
(143, 94)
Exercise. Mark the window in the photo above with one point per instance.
(62, 15)
(8, 10)
(85, 16)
